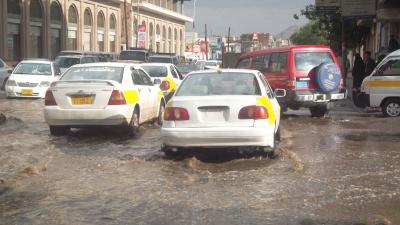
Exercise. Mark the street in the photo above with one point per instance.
(341, 169)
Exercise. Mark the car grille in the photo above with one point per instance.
(27, 84)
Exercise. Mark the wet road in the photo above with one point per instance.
(343, 169)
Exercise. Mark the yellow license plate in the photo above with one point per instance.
(82, 100)
(26, 92)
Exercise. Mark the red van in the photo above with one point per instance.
(309, 74)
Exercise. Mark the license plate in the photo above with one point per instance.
(81, 100)
(26, 92)
(302, 84)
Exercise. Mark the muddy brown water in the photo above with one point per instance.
(343, 169)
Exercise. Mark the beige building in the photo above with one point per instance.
(42, 28)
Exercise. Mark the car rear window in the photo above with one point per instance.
(156, 71)
(225, 83)
(33, 69)
(65, 62)
(133, 55)
(94, 73)
(160, 60)
(306, 61)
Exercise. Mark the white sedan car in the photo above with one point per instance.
(224, 108)
(31, 79)
(103, 94)
(166, 74)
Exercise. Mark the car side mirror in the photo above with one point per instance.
(9, 71)
(280, 93)
(157, 82)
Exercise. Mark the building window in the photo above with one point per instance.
(164, 38)
(87, 34)
(158, 38)
(35, 33)
(151, 36)
(100, 31)
(112, 33)
(169, 40)
(72, 39)
(176, 41)
(55, 29)
(13, 30)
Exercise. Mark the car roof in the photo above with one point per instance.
(73, 56)
(287, 49)
(395, 53)
(163, 56)
(110, 64)
(255, 72)
(39, 61)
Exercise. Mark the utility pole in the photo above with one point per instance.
(229, 37)
(206, 41)
(126, 26)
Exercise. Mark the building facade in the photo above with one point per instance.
(43, 28)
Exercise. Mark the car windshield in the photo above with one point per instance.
(94, 73)
(33, 69)
(65, 62)
(160, 59)
(187, 68)
(156, 71)
(225, 83)
(306, 61)
(133, 55)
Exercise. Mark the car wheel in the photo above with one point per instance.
(133, 128)
(3, 86)
(59, 130)
(170, 151)
(319, 110)
(391, 108)
(160, 119)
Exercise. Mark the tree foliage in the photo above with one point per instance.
(328, 26)
(308, 35)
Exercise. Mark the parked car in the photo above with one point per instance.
(31, 78)
(164, 58)
(310, 75)
(212, 64)
(225, 108)
(103, 94)
(136, 55)
(165, 74)
(5, 72)
(382, 87)
(185, 69)
(66, 61)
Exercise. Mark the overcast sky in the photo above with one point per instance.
(271, 16)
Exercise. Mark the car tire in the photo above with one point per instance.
(59, 130)
(319, 110)
(3, 86)
(160, 119)
(391, 108)
(271, 151)
(133, 128)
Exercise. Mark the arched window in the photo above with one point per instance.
(158, 38)
(13, 31)
(151, 36)
(55, 28)
(176, 41)
(100, 31)
(36, 24)
(87, 34)
(72, 37)
(169, 40)
(112, 33)
(164, 39)
(135, 31)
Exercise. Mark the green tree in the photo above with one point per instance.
(329, 26)
(309, 35)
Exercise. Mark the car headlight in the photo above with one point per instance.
(11, 83)
(44, 84)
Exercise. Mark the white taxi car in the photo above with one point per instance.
(31, 78)
(382, 87)
(222, 108)
(167, 75)
(104, 94)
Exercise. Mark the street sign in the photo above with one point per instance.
(327, 5)
(358, 9)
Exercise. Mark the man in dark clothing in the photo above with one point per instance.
(369, 63)
(393, 44)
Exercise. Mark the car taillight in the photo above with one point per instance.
(253, 112)
(164, 86)
(291, 84)
(49, 98)
(175, 114)
(117, 98)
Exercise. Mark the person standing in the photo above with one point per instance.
(393, 44)
(358, 75)
(369, 63)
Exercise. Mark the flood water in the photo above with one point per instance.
(340, 170)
